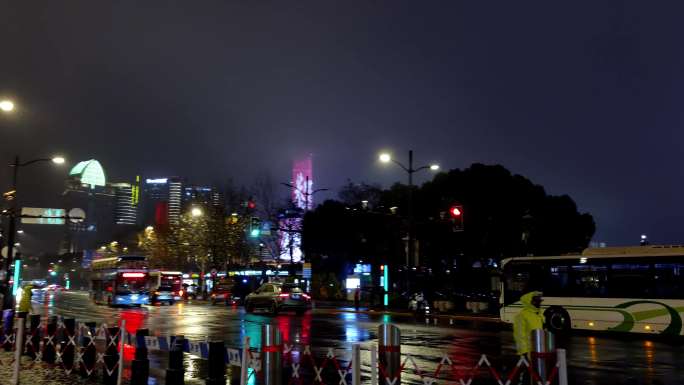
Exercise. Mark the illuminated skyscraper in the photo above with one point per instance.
(126, 202)
(162, 200)
(302, 197)
(175, 200)
(209, 196)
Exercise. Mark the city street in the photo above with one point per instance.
(592, 359)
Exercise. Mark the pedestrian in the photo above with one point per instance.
(25, 302)
(357, 297)
(529, 318)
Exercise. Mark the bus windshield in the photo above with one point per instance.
(129, 285)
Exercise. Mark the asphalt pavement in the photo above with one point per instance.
(592, 359)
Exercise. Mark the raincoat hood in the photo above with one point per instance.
(526, 300)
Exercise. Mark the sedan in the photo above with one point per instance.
(275, 297)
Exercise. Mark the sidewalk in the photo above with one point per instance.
(36, 373)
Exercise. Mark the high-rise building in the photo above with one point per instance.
(86, 188)
(162, 200)
(175, 200)
(209, 196)
(126, 202)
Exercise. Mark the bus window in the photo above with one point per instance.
(521, 278)
(668, 280)
(558, 282)
(128, 285)
(590, 280)
(631, 280)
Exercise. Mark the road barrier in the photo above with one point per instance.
(97, 352)
(389, 348)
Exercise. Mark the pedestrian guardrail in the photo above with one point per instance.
(97, 352)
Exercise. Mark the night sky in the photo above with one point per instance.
(584, 98)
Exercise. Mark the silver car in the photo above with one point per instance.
(275, 297)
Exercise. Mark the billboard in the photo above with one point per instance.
(42, 216)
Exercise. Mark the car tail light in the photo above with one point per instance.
(306, 296)
(284, 295)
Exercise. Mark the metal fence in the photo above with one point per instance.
(96, 352)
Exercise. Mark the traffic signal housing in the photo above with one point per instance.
(456, 217)
(255, 227)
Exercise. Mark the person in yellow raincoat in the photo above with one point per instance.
(529, 318)
(25, 302)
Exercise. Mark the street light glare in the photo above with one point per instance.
(6, 105)
(385, 158)
(434, 167)
(196, 212)
(58, 160)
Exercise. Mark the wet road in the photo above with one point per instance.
(592, 359)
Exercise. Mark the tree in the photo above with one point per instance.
(352, 194)
(504, 215)
(336, 235)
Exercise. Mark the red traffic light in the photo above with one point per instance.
(455, 211)
(251, 205)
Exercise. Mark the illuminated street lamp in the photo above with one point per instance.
(410, 170)
(196, 212)
(8, 302)
(6, 105)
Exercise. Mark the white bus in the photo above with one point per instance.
(625, 289)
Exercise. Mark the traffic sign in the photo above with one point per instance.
(42, 216)
(306, 271)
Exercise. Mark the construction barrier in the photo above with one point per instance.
(97, 353)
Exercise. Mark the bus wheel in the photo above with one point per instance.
(557, 319)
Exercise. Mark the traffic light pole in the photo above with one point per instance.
(410, 257)
(8, 299)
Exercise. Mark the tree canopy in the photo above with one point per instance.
(504, 215)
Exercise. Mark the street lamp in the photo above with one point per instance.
(410, 170)
(8, 301)
(196, 212)
(6, 105)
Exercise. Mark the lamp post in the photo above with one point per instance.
(8, 301)
(410, 170)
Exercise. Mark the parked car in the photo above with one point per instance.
(275, 297)
(163, 295)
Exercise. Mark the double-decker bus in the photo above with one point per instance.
(624, 289)
(120, 281)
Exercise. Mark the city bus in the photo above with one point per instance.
(167, 279)
(622, 289)
(120, 281)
